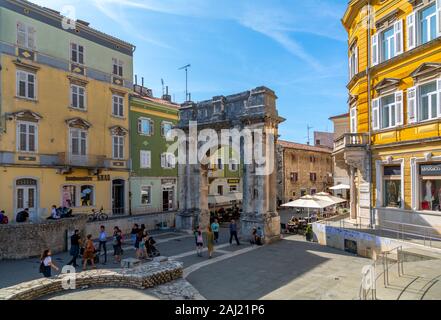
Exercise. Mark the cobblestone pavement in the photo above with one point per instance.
(288, 269)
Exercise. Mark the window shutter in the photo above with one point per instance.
(163, 160)
(353, 119)
(21, 34)
(152, 129)
(439, 96)
(139, 126)
(31, 37)
(356, 60)
(350, 66)
(411, 31)
(375, 114)
(399, 108)
(438, 17)
(375, 50)
(411, 105)
(398, 31)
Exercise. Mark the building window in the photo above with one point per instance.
(27, 137)
(118, 147)
(77, 53)
(312, 159)
(78, 142)
(427, 23)
(430, 186)
(303, 192)
(25, 36)
(166, 127)
(220, 165)
(146, 195)
(87, 196)
(145, 126)
(294, 176)
(220, 190)
(117, 105)
(78, 97)
(313, 192)
(387, 43)
(428, 101)
(353, 120)
(313, 176)
(117, 67)
(387, 112)
(68, 196)
(233, 188)
(392, 186)
(353, 61)
(145, 159)
(234, 166)
(168, 160)
(26, 84)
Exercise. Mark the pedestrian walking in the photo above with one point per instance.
(199, 242)
(210, 242)
(46, 264)
(75, 240)
(215, 229)
(103, 243)
(117, 245)
(134, 232)
(89, 253)
(138, 241)
(233, 232)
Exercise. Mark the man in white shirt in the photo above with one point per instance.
(103, 240)
(54, 213)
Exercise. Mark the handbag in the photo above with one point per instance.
(41, 267)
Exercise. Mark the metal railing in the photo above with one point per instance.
(386, 264)
(88, 160)
(351, 140)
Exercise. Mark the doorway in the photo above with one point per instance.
(118, 196)
(168, 198)
(26, 196)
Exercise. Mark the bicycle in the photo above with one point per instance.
(97, 216)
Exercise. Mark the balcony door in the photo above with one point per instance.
(78, 146)
(26, 196)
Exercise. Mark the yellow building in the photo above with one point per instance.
(64, 100)
(394, 148)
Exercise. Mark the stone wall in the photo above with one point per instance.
(145, 276)
(126, 223)
(25, 240)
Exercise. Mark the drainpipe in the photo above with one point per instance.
(129, 181)
(369, 147)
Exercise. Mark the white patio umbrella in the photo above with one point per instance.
(309, 202)
(340, 187)
(327, 197)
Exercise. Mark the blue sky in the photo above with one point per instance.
(295, 47)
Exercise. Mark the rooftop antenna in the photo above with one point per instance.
(309, 128)
(186, 80)
(162, 82)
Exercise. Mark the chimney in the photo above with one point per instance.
(166, 96)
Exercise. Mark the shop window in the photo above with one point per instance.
(233, 188)
(146, 195)
(430, 185)
(87, 195)
(392, 186)
(68, 196)
(220, 190)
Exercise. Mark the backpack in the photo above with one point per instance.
(5, 220)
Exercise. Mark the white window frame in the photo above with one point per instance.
(145, 154)
(120, 144)
(149, 203)
(168, 160)
(151, 126)
(419, 30)
(26, 74)
(28, 36)
(118, 105)
(390, 46)
(75, 52)
(377, 111)
(379, 165)
(353, 61)
(163, 124)
(119, 67)
(18, 133)
(93, 198)
(84, 95)
(419, 98)
(71, 131)
(353, 119)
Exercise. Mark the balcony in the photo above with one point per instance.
(351, 149)
(81, 161)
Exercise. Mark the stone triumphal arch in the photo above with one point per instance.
(251, 120)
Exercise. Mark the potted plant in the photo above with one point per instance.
(309, 233)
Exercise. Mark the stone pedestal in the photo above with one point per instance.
(269, 223)
(187, 220)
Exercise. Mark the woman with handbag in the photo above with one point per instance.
(46, 264)
(89, 253)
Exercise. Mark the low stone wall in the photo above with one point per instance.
(26, 240)
(126, 223)
(142, 277)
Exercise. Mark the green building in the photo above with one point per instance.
(153, 181)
